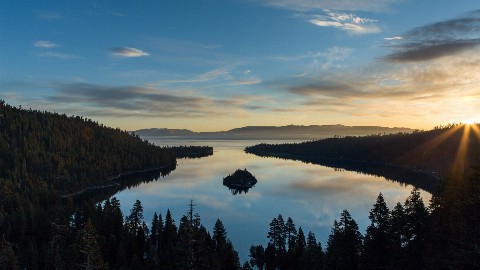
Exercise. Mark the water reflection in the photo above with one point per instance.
(312, 195)
(238, 190)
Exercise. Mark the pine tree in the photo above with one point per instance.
(257, 256)
(300, 244)
(135, 219)
(154, 241)
(344, 244)
(291, 234)
(398, 237)
(415, 231)
(277, 234)
(169, 241)
(87, 250)
(225, 257)
(290, 261)
(377, 243)
(312, 258)
(219, 236)
(183, 247)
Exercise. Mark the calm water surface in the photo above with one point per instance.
(312, 195)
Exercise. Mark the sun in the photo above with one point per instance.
(471, 121)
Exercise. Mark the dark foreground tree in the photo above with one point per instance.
(377, 242)
(86, 250)
(344, 245)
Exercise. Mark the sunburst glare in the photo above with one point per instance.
(472, 121)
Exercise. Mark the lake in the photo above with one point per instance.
(312, 195)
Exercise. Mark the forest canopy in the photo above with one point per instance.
(45, 155)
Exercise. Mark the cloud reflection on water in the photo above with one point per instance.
(311, 194)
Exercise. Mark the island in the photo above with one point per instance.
(240, 181)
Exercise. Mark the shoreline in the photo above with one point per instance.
(113, 184)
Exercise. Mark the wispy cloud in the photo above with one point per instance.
(44, 44)
(430, 69)
(248, 81)
(432, 41)
(128, 52)
(314, 62)
(348, 22)
(140, 101)
(210, 75)
(58, 55)
(394, 38)
(332, 54)
(413, 89)
(131, 101)
(312, 5)
(424, 52)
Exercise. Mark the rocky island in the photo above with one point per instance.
(240, 181)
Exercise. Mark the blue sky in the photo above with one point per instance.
(216, 65)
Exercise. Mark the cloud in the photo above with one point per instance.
(394, 38)
(347, 22)
(419, 89)
(58, 55)
(128, 52)
(424, 52)
(248, 81)
(129, 100)
(320, 61)
(331, 54)
(436, 40)
(210, 75)
(138, 101)
(44, 44)
(313, 5)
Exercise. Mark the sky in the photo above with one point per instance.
(209, 65)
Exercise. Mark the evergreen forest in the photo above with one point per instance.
(48, 221)
(47, 158)
(429, 154)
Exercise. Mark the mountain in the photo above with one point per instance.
(273, 132)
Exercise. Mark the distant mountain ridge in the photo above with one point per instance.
(275, 132)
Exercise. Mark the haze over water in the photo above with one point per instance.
(311, 194)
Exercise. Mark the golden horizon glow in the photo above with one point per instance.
(472, 121)
(461, 157)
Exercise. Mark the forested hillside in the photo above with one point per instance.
(435, 151)
(44, 155)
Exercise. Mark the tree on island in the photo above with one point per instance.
(240, 181)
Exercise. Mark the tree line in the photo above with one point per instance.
(192, 151)
(433, 151)
(98, 237)
(45, 155)
(443, 235)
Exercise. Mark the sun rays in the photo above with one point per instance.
(423, 148)
(462, 162)
(460, 144)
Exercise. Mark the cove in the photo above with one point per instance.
(311, 194)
